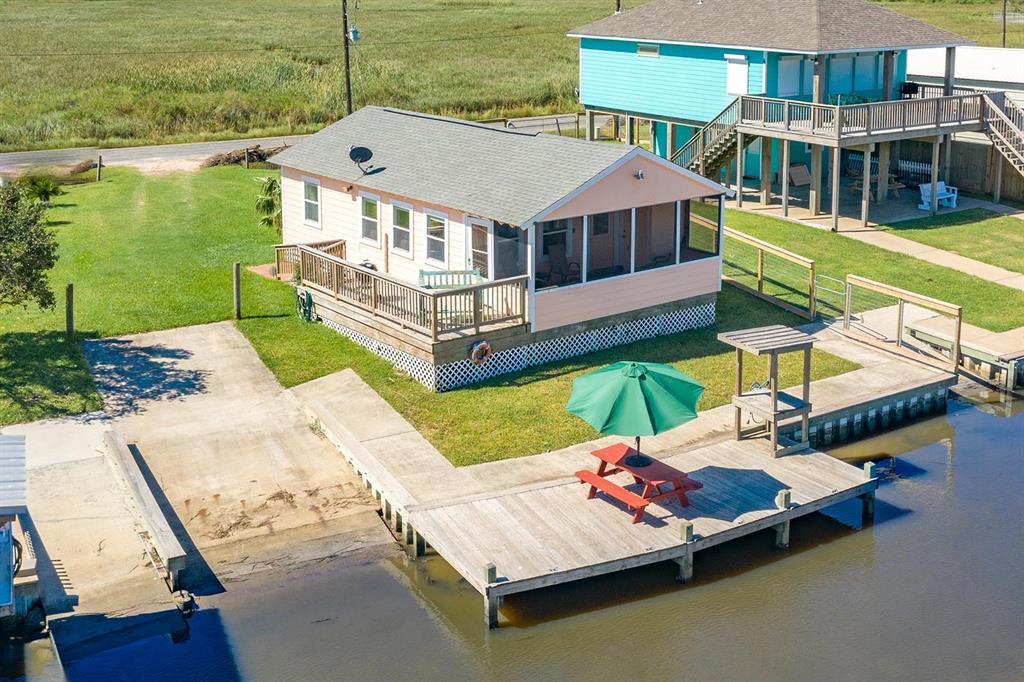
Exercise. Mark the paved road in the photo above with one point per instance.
(12, 162)
(15, 161)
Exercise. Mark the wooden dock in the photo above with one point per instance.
(518, 540)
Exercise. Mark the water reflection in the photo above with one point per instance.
(931, 590)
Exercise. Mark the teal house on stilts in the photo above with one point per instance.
(754, 89)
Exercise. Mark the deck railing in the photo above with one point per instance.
(719, 129)
(286, 256)
(861, 120)
(432, 312)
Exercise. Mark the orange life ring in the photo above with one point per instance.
(481, 353)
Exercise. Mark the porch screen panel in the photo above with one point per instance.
(558, 251)
(510, 245)
(698, 231)
(608, 247)
(655, 236)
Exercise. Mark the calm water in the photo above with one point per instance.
(933, 590)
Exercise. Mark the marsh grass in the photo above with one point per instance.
(476, 58)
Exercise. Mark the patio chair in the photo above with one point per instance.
(560, 270)
(946, 194)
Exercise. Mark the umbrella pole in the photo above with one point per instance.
(636, 459)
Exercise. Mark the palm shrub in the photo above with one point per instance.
(41, 188)
(268, 203)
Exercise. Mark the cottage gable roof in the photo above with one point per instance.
(807, 26)
(495, 173)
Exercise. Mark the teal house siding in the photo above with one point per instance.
(682, 82)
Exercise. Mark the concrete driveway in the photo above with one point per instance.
(251, 484)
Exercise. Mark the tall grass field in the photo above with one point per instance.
(115, 72)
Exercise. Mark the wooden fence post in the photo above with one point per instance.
(99, 167)
(812, 296)
(69, 313)
(236, 277)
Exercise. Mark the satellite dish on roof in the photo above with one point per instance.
(359, 155)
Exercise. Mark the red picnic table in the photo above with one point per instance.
(653, 476)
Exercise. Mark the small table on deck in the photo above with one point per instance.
(653, 476)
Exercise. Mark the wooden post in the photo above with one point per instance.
(670, 139)
(814, 193)
(818, 80)
(899, 323)
(591, 127)
(387, 252)
(997, 174)
(236, 282)
(739, 170)
(686, 561)
(935, 173)
(477, 312)
(955, 350)
(888, 74)
(631, 130)
(847, 306)
(766, 171)
(812, 294)
(783, 500)
(739, 390)
(836, 154)
(773, 382)
(410, 534)
(99, 167)
(806, 397)
(760, 270)
(490, 602)
(785, 176)
(616, 127)
(247, 158)
(882, 190)
(433, 318)
(419, 545)
(867, 500)
(69, 313)
(577, 117)
(949, 76)
(865, 192)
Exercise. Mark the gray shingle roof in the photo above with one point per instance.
(812, 26)
(491, 172)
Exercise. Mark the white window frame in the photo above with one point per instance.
(427, 215)
(544, 258)
(411, 229)
(318, 223)
(648, 50)
(738, 59)
(376, 199)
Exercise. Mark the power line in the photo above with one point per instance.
(272, 48)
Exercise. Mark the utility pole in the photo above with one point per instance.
(1004, 23)
(348, 75)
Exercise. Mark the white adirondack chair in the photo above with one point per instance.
(946, 194)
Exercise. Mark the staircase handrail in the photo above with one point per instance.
(1011, 135)
(708, 136)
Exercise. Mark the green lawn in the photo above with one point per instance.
(521, 413)
(979, 234)
(150, 253)
(992, 306)
(143, 253)
(78, 72)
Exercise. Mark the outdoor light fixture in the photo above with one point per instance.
(639, 175)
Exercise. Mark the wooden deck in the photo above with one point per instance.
(551, 533)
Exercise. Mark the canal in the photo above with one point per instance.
(933, 590)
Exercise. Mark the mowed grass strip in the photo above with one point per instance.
(976, 233)
(992, 306)
(523, 413)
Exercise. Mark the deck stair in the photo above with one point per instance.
(1004, 124)
(712, 146)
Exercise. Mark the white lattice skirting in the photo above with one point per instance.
(464, 372)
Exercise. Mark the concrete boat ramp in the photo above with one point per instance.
(525, 523)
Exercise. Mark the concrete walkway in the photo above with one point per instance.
(892, 211)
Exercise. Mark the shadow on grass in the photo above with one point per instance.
(43, 376)
(130, 375)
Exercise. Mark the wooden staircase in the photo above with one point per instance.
(712, 146)
(1004, 124)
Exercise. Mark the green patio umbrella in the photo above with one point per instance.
(635, 399)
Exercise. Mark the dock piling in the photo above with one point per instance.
(419, 547)
(867, 500)
(686, 561)
(783, 500)
(490, 602)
